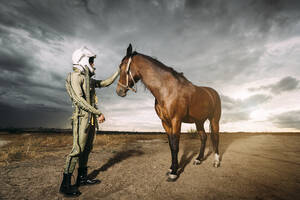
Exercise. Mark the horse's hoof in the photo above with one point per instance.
(197, 162)
(216, 164)
(172, 178)
(169, 172)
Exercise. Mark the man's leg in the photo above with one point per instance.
(66, 187)
(84, 157)
(82, 178)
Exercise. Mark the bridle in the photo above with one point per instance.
(128, 73)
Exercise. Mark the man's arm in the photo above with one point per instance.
(74, 89)
(107, 82)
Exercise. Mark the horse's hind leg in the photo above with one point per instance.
(203, 138)
(215, 140)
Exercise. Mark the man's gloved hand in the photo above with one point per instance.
(101, 119)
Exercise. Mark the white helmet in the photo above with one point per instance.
(80, 59)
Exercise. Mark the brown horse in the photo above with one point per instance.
(177, 100)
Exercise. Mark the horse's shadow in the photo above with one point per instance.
(186, 158)
(189, 152)
(118, 157)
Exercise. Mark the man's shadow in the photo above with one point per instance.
(118, 157)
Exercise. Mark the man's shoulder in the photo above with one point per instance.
(77, 73)
(78, 76)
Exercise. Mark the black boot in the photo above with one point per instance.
(82, 178)
(66, 188)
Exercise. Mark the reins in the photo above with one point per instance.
(128, 73)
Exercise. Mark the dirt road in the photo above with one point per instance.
(254, 166)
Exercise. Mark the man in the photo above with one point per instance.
(81, 87)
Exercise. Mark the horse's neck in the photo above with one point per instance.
(155, 80)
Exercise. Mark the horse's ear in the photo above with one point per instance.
(129, 50)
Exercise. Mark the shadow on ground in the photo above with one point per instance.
(190, 150)
(118, 157)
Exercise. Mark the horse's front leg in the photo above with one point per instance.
(174, 147)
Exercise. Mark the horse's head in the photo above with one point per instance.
(128, 74)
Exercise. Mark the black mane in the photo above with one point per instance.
(178, 75)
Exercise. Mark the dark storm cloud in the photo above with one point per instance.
(19, 67)
(63, 17)
(47, 20)
(284, 85)
(239, 29)
(35, 115)
(220, 42)
(83, 3)
(31, 18)
(14, 62)
(290, 119)
(19, 83)
(263, 13)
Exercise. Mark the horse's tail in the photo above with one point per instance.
(217, 104)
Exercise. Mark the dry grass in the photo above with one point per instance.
(27, 146)
(30, 146)
(192, 133)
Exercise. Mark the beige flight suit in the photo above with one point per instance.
(84, 121)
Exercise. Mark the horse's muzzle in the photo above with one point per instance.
(121, 92)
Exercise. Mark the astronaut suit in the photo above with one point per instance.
(81, 88)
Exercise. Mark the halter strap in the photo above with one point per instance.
(128, 73)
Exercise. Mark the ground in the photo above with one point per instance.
(254, 166)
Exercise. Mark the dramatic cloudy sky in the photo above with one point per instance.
(247, 50)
